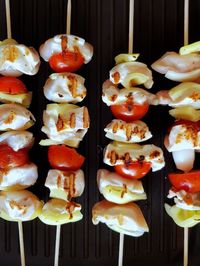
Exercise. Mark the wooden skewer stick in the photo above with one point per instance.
(130, 50)
(186, 41)
(131, 22)
(20, 227)
(68, 21)
(185, 257)
(57, 245)
(121, 249)
(8, 20)
(21, 243)
(186, 22)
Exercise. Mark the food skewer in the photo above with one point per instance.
(20, 226)
(130, 50)
(186, 41)
(66, 124)
(185, 212)
(58, 227)
(130, 160)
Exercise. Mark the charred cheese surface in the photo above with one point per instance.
(118, 153)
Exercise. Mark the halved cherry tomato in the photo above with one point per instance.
(189, 182)
(129, 111)
(66, 61)
(64, 158)
(12, 85)
(133, 170)
(10, 158)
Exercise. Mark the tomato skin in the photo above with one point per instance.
(10, 158)
(190, 182)
(64, 158)
(66, 61)
(12, 85)
(133, 170)
(129, 111)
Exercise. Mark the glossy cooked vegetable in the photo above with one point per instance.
(189, 182)
(129, 111)
(133, 170)
(10, 158)
(64, 158)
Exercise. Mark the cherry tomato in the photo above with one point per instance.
(189, 182)
(66, 61)
(129, 111)
(12, 85)
(64, 158)
(10, 158)
(133, 170)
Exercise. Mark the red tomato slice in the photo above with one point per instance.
(10, 158)
(66, 61)
(64, 158)
(12, 85)
(133, 170)
(129, 111)
(189, 182)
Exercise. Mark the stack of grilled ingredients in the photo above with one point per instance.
(131, 161)
(65, 125)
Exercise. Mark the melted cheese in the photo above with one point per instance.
(17, 139)
(15, 117)
(183, 137)
(19, 205)
(112, 95)
(65, 88)
(133, 132)
(119, 153)
(24, 176)
(65, 185)
(18, 59)
(53, 46)
(121, 72)
(63, 122)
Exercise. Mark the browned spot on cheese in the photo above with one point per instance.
(127, 158)
(124, 190)
(72, 120)
(154, 155)
(14, 204)
(113, 97)
(86, 118)
(128, 131)
(195, 96)
(69, 185)
(72, 85)
(190, 133)
(116, 77)
(60, 125)
(63, 43)
(112, 156)
(70, 206)
(115, 127)
(10, 118)
(59, 181)
(10, 53)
